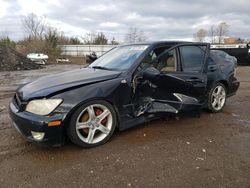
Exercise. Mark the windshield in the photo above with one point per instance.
(119, 58)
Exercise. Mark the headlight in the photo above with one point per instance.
(43, 106)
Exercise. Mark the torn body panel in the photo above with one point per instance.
(182, 102)
(169, 93)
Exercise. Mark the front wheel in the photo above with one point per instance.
(92, 124)
(217, 97)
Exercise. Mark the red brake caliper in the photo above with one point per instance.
(99, 112)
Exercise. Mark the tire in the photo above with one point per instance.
(217, 97)
(92, 124)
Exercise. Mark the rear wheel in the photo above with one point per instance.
(92, 124)
(217, 97)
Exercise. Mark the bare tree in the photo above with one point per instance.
(222, 30)
(101, 39)
(246, 41)
(114, 41)
(134, 35)
(51, 40)
(131, 35)
(212, 34)
(51, 37)
(200, 35)
(239, 41)
(89, 38)
(95, 38)
(35, 26)
(74, 40)
(142, 36)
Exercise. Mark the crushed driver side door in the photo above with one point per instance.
(175, 82)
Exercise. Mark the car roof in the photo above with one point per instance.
(163, 43)
(219, 51)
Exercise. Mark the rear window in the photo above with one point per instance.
(215, 56)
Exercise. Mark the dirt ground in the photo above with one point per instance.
(210, 151)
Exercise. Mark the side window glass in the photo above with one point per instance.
(192, 58)
(168, 63)
(147, 60)
(211, 61)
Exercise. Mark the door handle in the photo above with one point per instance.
(212, 68)
(195, 80)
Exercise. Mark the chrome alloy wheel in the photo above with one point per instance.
(94, 123)
(218, 97)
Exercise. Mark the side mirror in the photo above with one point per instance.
(150, 73)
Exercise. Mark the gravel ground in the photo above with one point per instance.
(210, 151)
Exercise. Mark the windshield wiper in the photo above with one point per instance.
(100, 67)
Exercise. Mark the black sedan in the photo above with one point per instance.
(128, 85)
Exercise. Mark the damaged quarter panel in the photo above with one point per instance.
(172, 93)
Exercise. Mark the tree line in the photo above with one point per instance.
(41, 37)
(215, 34)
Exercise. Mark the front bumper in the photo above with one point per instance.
(26, 122)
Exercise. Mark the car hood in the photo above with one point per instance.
(49, 85)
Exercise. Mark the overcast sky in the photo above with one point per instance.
(160, 20)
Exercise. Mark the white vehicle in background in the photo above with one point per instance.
(62, 60)
(38, 58)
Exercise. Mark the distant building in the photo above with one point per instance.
(230, 40)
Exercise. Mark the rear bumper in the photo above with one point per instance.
(25, 122)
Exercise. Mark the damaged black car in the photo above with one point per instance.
(128, 85)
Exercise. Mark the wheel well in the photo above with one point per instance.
(69, 115)
(224, 82)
